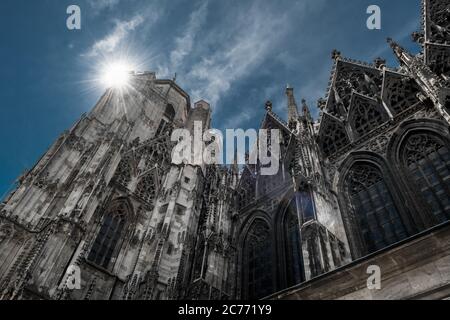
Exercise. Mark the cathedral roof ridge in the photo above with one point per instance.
(274, 116)
(340, 60)
(327, 114)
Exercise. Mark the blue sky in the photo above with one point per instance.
(235, 54)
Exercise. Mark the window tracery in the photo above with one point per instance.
(109, 236)
(376, 215)
(365, 116)
(437, 21)
(257, 262)
(400, 92)
(146, 188)
(427, 160)
(333, 137)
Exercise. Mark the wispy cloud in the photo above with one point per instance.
(402, 35)
(237, 56)
(185, 43)
(109, 43)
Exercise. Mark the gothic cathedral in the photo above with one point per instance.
(368, 183)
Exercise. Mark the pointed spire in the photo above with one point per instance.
(335, 54)
(306, 111)
(403, 56)
(292, 105)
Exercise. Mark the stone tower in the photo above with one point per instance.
(106, 199)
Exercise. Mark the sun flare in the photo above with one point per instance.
(116, 75)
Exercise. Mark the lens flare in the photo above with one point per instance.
(116, 74)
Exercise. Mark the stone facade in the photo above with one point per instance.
(365, 184)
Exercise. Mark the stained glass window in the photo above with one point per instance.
(376, 214)
(108, 237)
(258, 279)
(294, 261)
(306, 205)
(428, 161)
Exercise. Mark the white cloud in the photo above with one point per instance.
(109, 43)
(250, 44)
(185, 43)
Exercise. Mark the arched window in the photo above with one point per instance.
(109, 236)
(294, 259)
(427, 160)
(169, 113)
(375, 214)
(306, 205)
(257, 262)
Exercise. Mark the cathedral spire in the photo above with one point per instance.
(403, 56)
(292, 105)
(305, 110)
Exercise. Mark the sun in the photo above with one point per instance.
(116, 75)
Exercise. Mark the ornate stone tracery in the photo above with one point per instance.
(365, 115)
(399, 92)
(437, 21)
(332, 135)
(376, 216)
(427, 160)
(109, 235)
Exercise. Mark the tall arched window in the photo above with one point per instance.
(294, 259)
(375, 214)
(109, 235)
(427, 160)
(257, 262)
(305, 202)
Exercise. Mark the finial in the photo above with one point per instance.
(418, 36)
(395, 46)
(392, 43)
(174, 77)
(321, 103)
(269, 105)
(379, 62)
(402, 55)
(335, 54)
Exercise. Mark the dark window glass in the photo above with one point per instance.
(258, 280)
(294, 261)
(108, 237)
(169, 113)
(306, 205)
(376, 216)
(428, 161)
